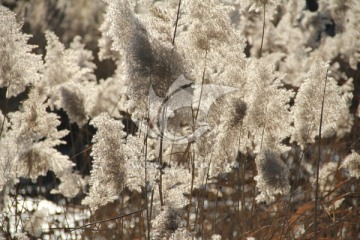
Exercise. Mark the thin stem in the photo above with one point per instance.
(243, 163)
(216, 208)
(146, 178)
(285, 223)
(176, 22)
(5, 112)
(191, 190)
(194, 118)
(239, 161)
(151, 203)
(262, 137)
(101, 221)
(202, 84)
(122, 220)
(4, 118)
(318, 164)
(116, 104)
(263, 32)
(73, 149)
(161, 155)
(203, 198)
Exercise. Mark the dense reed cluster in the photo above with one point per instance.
(179, 119)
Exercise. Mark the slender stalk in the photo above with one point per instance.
(176, 22)
(203, 198)
(4, 118)
(252, 209)
(191, 191)
(318, 164)
(262, 136)
(116, 105)
(216, 208)
(202, 84)
(148, 219)
(244, 223)
(194, 118)
(196, 214)
(263, 31)
(101, 221)
(122, 220)
(161, 155)
(239, 161)
(5, 112)
(73, 149)
(285, 223)
(17, 221)
(151, 203)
